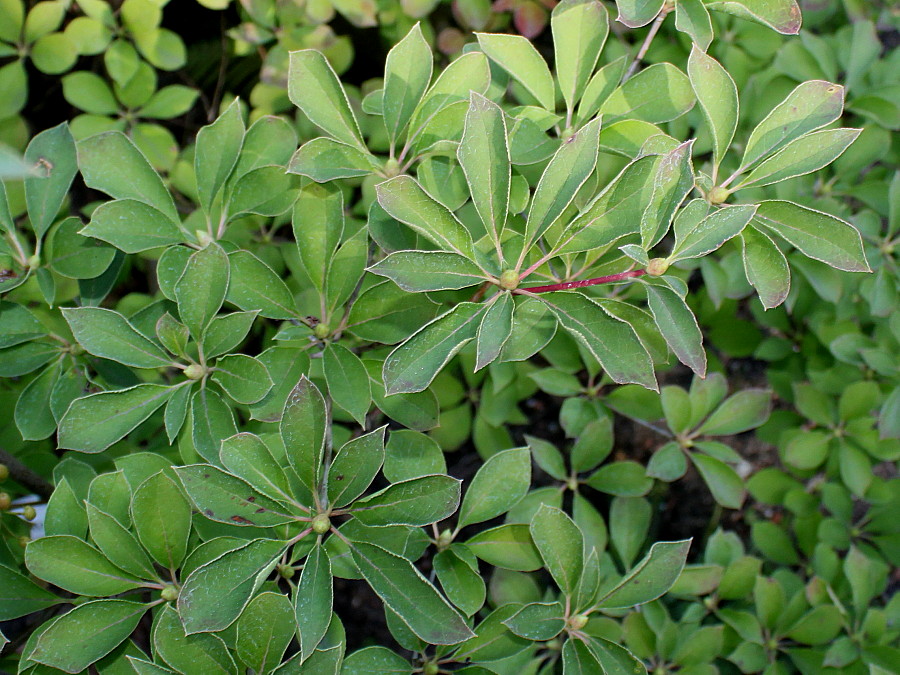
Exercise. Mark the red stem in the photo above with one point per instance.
(586, 282)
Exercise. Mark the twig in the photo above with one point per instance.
(654, 29)
(565, 286)
(25, 476)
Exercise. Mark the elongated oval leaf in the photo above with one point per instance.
(74, 565)
(106, 333)
(659, 93)
(303, 423)
(407, 74)
(711, 232)
(718, 98)
(652, 576)
(162, 519)
(517, 56)
(779, 15)
(313, 600)
(579, 30)
(421, 271)
(561, 546)
(410, 595)
(495, 330)
(201, 289)
(497, 486)
(678, 326)
(264, 630)
(216, 153)
(52, 155)
(766, 268)
(355, 466)
(348, 381)
(133, 226)
(418, 501)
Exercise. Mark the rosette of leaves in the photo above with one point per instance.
(118, 33)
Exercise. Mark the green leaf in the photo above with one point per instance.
(253, 285)
(187, 653)
(215, 594)
(264, 191)
(744, 411)
(403, 588)
(802, 156)
(212, 422)
(561, 546)
(106, 333)
(726, 486)
(651, 578)
(496, 487)
(226, 332)
(303, 429)
(678, 326)
(692, 18)
(637, 13)
(672, 182)
(52, 155)
(264, 630)
(94, 422)
(709, 234)
(243, 378)
(86, 634)
(421, 271)
(517, 56)
(325, 159)
(355, 467)
(74, 566)
(810, 106)
(539, 621)
(658, 93)
(133, 226)
(509, 547)
(766, 267)
(200, 291)
(412, 366)
(817, 235)
(418, 502)
(228, 499)
(313, 600)
(346, 270)
(118, 544)
(779, 15)
(314, 87)
(75, 256)
(570, 167)
(483, 154)
(216, 152)
(407, 74)
(410, 454)
(580, 28)
(169, 102)
(19, 595)
(111, 163)
(718, 98)
(162, 519)
(404, 199)
(612, 342)
(460, 579)
(578, 659)
(247, 457)
(495, 330)
(348, 381)
(33, 414)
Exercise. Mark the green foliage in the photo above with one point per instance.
(462, 336)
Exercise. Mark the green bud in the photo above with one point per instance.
(391, 168)
(431, 668)
(194, 371)
(321, 524)
(5, 501)
(322, 331)
(285, 571)
(445, 538)
(578, 621)
(169, 593)
(34, 261)
(4, 472)
(657, 267)
(28, 513)
(509, 280)
(717, 195)
(204, 238)
(23, 540)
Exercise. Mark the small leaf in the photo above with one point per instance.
(86, 634)
(325, 159)
(313, 601)
(658, 93)
(579, 30)
(418, 502)
(460, 579)
(507, 546)
(96, 421)
(348, 381)
(483, 154)
(818, 235)
(766, 268)
(494, 331)
(404, 199)
(227, 499)
(810, 106)
(745, 410)
(355, 467)
(162, 519)
(264, 630)
(216, 152)
(254, 286)
(407, 74)
(302, 428)
(637, 13)
(314, 87)
(651, 578)
(247, 457)
(779, 15)
(538, 621)
(106, 333)
(187, 653)
(711, 232)
(718, 98)
(412, 366)
(243, 378)
(51, 153)
(561, 546)
(75, 566)
(678, 326)
(421, 271)
(410, 595)
(215, 594)
(496, 487)
(201, 289)
(726, 486)
(692, 18)
(19, 595)
(133, 226)
(517, 56)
